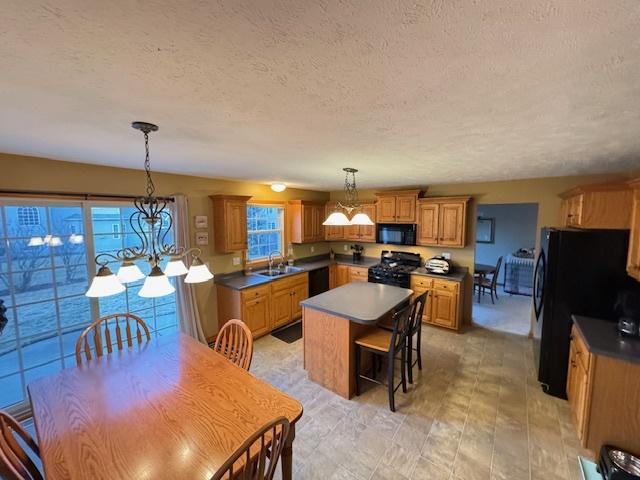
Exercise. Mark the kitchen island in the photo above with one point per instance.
(332, 321)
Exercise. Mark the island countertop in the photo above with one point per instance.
(359, 302)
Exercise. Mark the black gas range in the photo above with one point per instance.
(394, 268)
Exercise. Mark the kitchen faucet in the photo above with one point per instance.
(271, 259)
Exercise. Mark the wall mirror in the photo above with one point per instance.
(485, 230)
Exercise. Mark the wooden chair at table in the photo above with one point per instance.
(415, 330)
(235, 342)
(483, 283)
(257, 457)
(15, 462)
(100, 333)
(383, 343)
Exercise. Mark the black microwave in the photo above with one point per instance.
(396, 233)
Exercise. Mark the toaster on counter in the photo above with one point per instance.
(438, 265)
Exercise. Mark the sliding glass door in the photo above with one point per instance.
(46, 262)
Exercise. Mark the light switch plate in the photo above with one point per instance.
(446, 255)
(313, 249)
(201, 221)
(345, 248)
(236, 261)
(202, 238)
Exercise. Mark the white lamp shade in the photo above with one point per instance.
(175, 268)
(55, 242)
(361, 219)
(35, 242)
(76, 239)
(278, 187)
(104, 284)
(157, 284)
(129, 272)
(337, 219)
(198, 273)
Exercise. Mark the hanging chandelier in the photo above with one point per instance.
(340, 216)
(151, 222)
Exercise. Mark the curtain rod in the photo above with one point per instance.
(73, 195)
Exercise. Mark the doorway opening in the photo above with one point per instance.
(504, 264)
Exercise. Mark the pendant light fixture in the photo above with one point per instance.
(340, 216)
(151, 222)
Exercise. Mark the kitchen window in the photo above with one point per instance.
(46, 260)
(265, 230)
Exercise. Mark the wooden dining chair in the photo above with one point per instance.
(490, 284)
(383, 343)
(257, 457)
(101, 333)
(15, 462)
(235, 342)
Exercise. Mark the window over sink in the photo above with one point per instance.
(265, 230)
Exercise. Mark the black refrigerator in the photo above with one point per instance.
(577, 272)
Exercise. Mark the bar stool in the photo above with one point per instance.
(417, 311)
(384, 343)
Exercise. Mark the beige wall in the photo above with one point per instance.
(44, 175)
(543, 191)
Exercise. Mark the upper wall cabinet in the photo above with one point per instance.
(230, 222)
(442, 221)
(633, 260)
(305, 221)
(597, 206)
(397, 207)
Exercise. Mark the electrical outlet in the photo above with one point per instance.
(313, 249)
(345, 248)
(236, 261)
(446, 255)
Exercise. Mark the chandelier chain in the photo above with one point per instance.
(151, 188)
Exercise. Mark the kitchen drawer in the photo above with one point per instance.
(359, 274)
(418, 281)
(581, 352)
(255, 292)
(446, 285)
(288, 283)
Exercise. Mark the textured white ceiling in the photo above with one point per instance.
(418, 92)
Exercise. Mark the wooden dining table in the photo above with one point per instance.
(170, 409)
(482, 270)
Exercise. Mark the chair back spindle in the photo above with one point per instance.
(235, 341)
(99, 333)
(15, 462)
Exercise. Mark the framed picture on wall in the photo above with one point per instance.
(485, 230)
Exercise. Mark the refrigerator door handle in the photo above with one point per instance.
(538, 284)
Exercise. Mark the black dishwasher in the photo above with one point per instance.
(318, 281)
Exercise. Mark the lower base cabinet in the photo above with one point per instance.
(604, 394)
(265, 307)
(444, 302)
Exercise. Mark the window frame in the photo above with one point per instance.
(268, 204)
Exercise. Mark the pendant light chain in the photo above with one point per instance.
(151, 188)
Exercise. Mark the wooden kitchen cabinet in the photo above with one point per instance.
(444, 302)
(264, 307)
(362, 233)
(633, 259)
(603, 396)
(397, 206)
(230, 222)
(442, 221)
(358, 274)
(343, 276)
(606, 205)
(305, 221)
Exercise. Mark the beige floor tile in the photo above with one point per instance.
(426, 470)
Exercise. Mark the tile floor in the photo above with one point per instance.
(474, 413)
(510, 313)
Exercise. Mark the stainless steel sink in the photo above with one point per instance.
(277, 271)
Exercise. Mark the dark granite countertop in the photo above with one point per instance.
(603, 338)
(239, 281)
(457, 274)
(360, 302)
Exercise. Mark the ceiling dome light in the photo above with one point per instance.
(337, 219)
(198, 272)
(361, 219)
(104, 284)
(157, 284)
(129, 272)
(278, 187)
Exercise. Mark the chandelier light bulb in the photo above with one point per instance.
(104, 284)
(157, 284)
(198, 272)
(129, 272)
